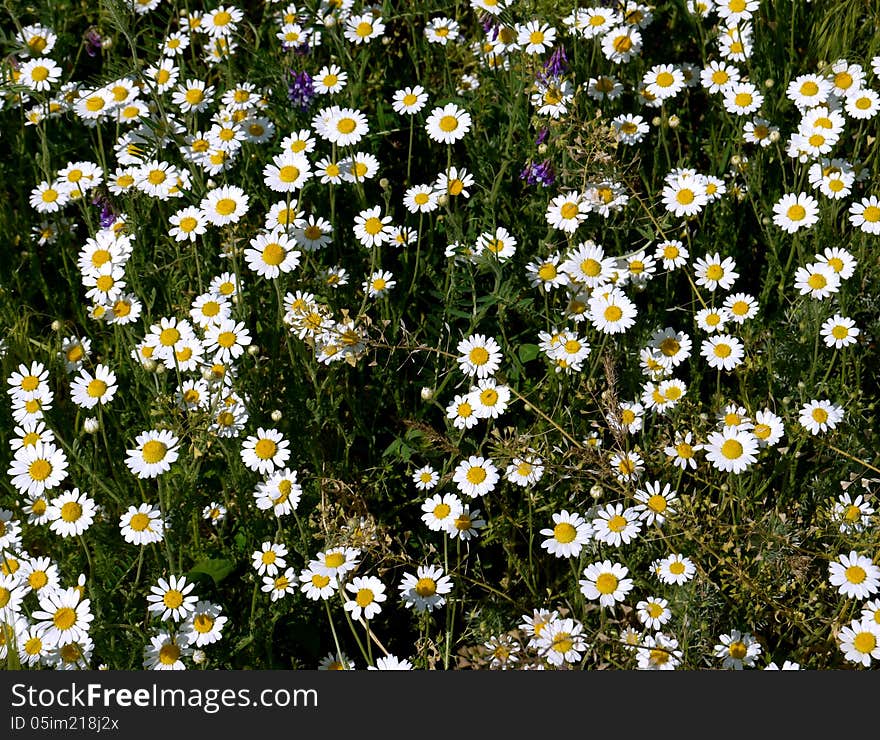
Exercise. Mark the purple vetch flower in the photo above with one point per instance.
(557, 64)
(300, 91)
(542, 136)
(94, 42)
(538, 174)
(108, 215)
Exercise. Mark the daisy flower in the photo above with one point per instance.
(440, 512)
(87, 390)
(722, 351)
(71, 513)
(860, 641)
(426, 589)
(409, 100)
(461, 411)
(562, 641)
(865, 215)
(426, 478)
(205, 625)
(795, 211)
(369, 593)
(475, 476)
(171, 598)
(655, 503)
(658, 652)
(166, 652)
(153, 453)
(64, 615)
(371, 228)
(37, 468)
(224, 205)
(675, 569)
(480, 356)
(314, 583)
(818, 280)
(287, 172)
(448, 124)
(606, 582)
(820, 415)
(855, 576)
(227, 339)
(489, 398)
(653, 613)
(569, 534)
(739, 650)
(271, 254)
(142, 525)
(615, 525)
(265, 451)
(269, 559)
(611, 312)
(731, 450)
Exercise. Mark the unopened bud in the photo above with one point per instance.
(91, 425)
(427, 393)
(276, 415)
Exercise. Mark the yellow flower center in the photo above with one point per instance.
(40, 469)
(265, 449)
(448, 123)
(172, 599)
(606, 583)
(64, 618)
(564, 533)
(169, 654)
(426, 587)
(153, 451)
(731, 449)
(225, 206)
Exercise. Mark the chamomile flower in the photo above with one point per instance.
(860, 641)
(865, 215)
(71, 513)
(166, 652)
(839, 331)
(795, 211)
(227, 339)
(615, 525)
(475, 476)
(371, 228)
(205, 625)
(525, 471)
(653, 613)
(768, 428)
(722, 351)
(369, 593)
(224, 205)
(467, 524)
(287, 173)
(629, 128)
(606, 582)
(142, 525)
(153, 454)
(440, 512)
(738, 650)
(421, 199)
(656, 502)
(314, 583)
(567, 537)
(426, 478)
(853, 514)
(488, 398)
(265, 451)
(271, 254)
(89, 390)
(330, 80)
(731, 450)
(361, 29)
(172, 598)
(426, 589)
(658, 652)
(685, 195)
(675, 569)
(38, 468)
(562, 641)
(566, 212)
(409, 100)
(461, 411)
(187, 224)
(611, 312)
(63, 615)
(448, 124)
(270, 558)
(820, 415)
(741, 98)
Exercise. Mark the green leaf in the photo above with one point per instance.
(216, 568)
(528, 352)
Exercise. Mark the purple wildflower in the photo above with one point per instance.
(557, 64)
(539, 174)
(94, 42)
(300, 91)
